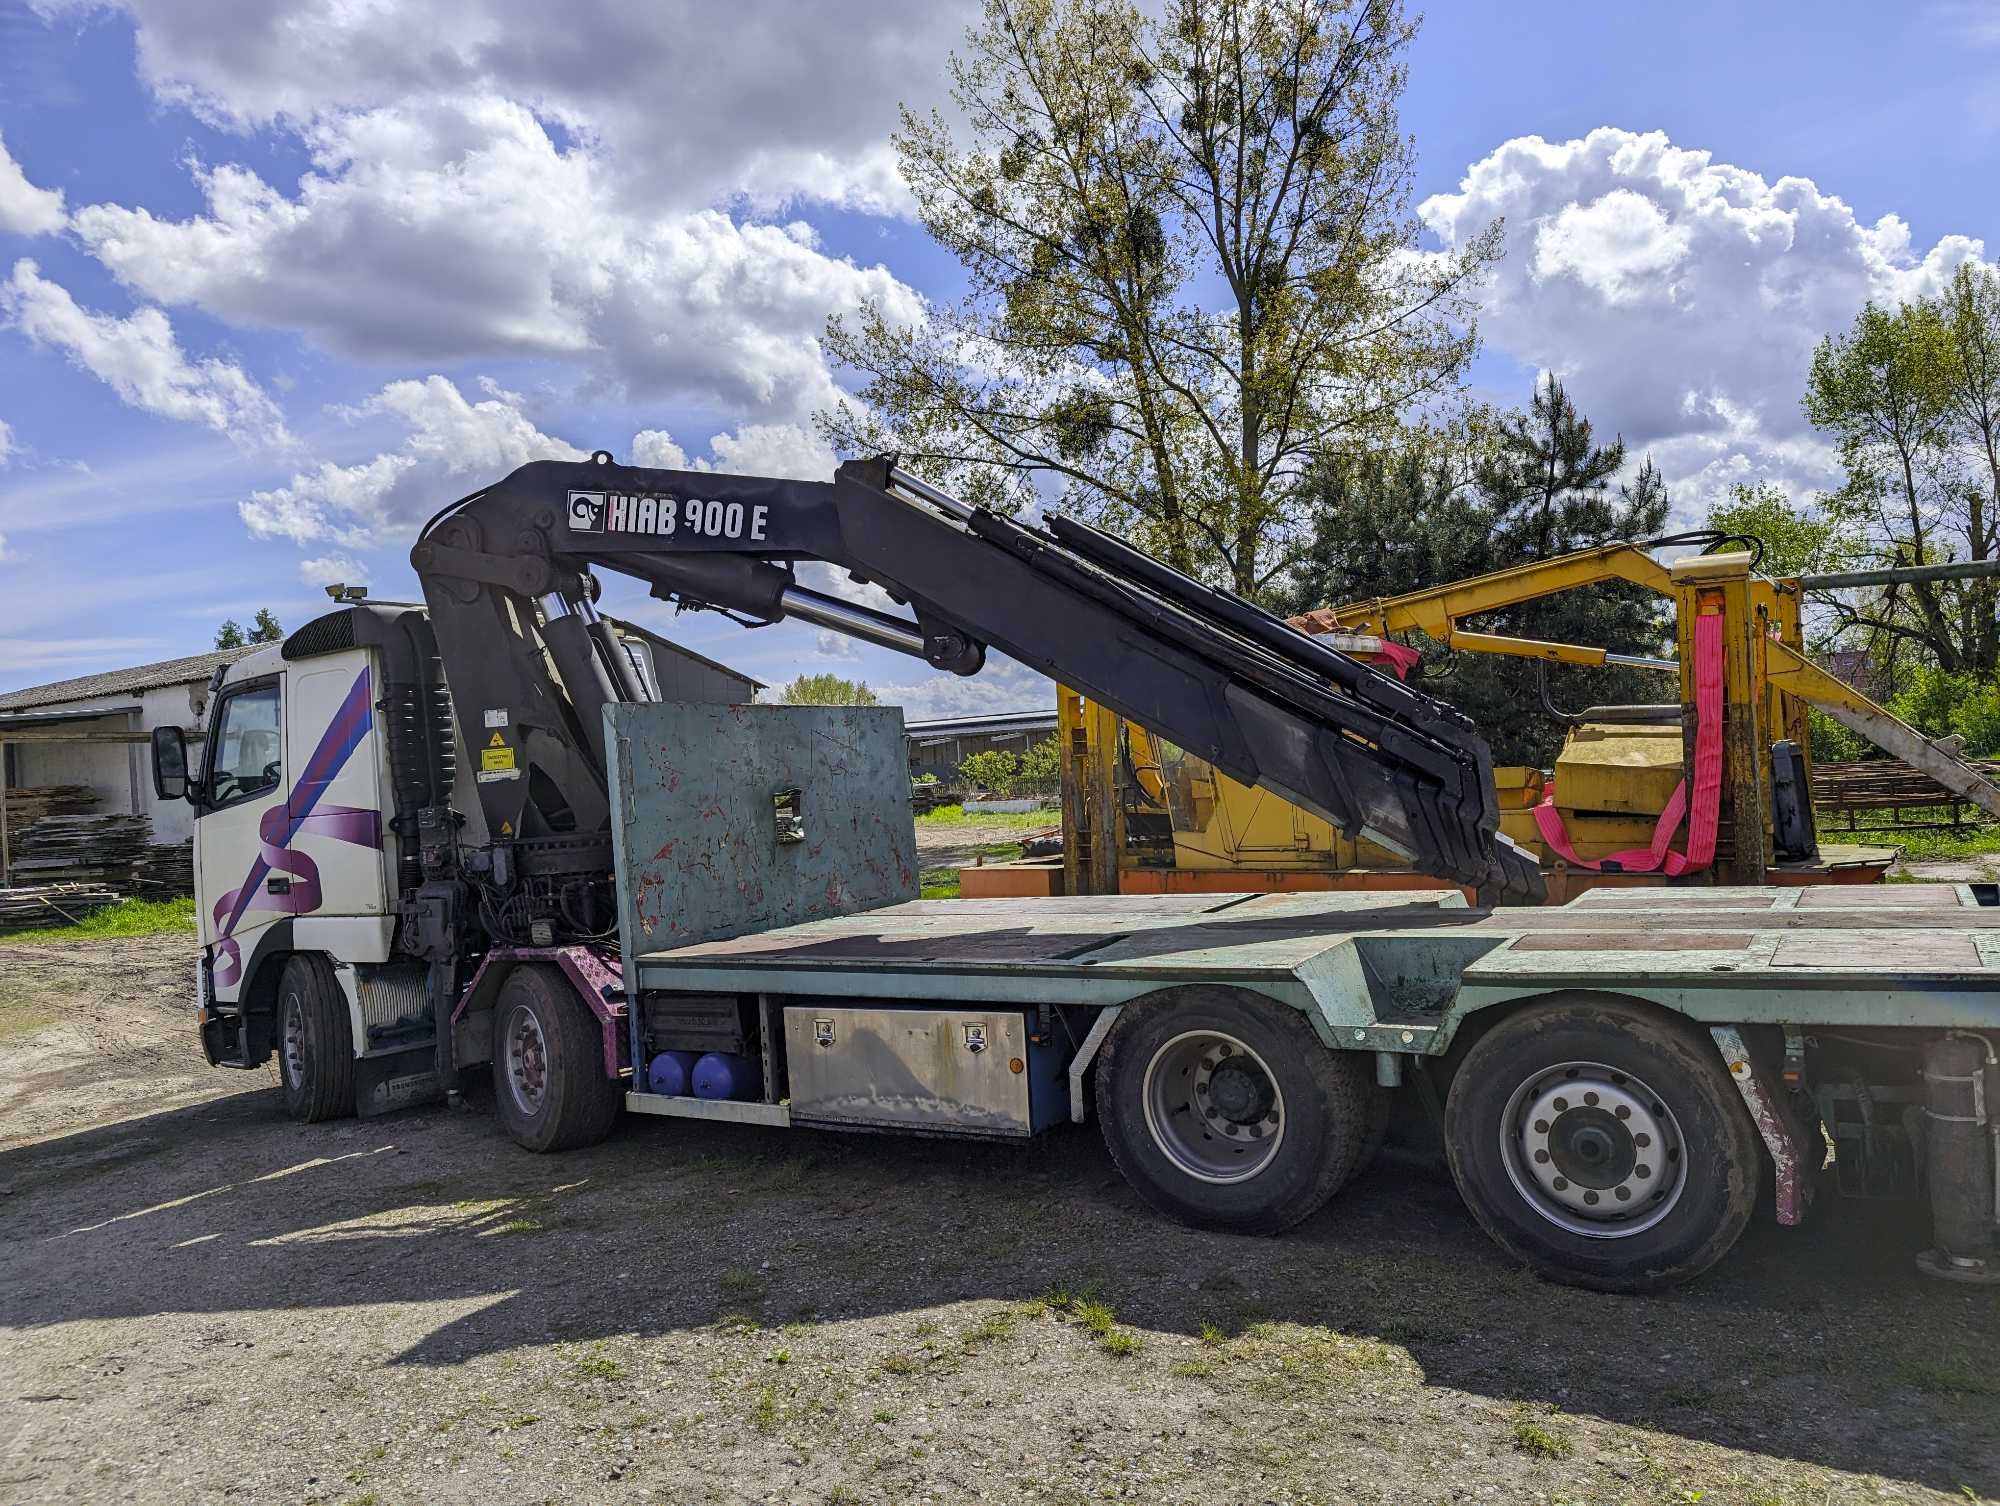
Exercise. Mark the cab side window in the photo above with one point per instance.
(246, 751)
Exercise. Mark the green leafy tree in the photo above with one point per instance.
(827, 690)
(1796, 540)
(1491, 492)
(1911, 398)
(1041, 768)
(264, 628)
(1188, 262)
(994, 770)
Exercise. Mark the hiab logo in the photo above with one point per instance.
(586, 512)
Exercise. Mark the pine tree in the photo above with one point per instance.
(1439, 506)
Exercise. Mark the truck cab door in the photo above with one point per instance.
(239, 828)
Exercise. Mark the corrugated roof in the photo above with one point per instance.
(187, 671)
(992, 721)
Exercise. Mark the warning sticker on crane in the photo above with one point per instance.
(496, 756)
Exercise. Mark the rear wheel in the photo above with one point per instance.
(1603, 1144)
(549, 1082)
(1228, 1112)
(315, 1041)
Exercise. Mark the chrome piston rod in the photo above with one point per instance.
(855, 621)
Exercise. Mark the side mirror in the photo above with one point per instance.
(170, 763)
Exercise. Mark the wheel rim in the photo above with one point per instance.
(527, 1060)
(1214, 1107)
(295, 1042)
(1593, 1150)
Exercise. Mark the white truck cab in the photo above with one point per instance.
(295, 892)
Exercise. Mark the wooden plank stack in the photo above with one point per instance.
(1892, 795)
(29, 803)
(71, 849)
(35, 906)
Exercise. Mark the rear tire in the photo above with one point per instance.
(1226, 1111)
(1603, 1144)
(549, 1083)
(315, 1041)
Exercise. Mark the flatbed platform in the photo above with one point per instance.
(1395, 971)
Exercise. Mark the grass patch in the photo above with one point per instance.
(129, 917)
(954, 815)
(1097, 1318)
(764, 1415)
(898, 1363)
(598, 1367)
(1534, 1438)
(1945, 1375)
(520, 1226)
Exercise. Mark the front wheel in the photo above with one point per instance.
(1228, 1112)
(1603, 1144)
(315, 1041)
(549, 1082)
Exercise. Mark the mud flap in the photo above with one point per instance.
(399, 1080)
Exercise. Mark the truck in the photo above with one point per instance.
(472, 837)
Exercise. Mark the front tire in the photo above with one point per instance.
(315, 1041)
(1602, 1144)
(549, 1082)
(1228, 1112)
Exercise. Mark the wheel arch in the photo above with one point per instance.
(589, 977)
(1470, 1026)
(257, 999)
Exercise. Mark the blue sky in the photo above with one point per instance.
(307, 279)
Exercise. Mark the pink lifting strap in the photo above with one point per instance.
(1707, 782)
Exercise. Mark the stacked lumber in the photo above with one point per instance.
(30, 908)
(79, 849)
(163, 871)
(29, 803)
(1888, 784)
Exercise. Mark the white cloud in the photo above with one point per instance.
(332, 570)
(450, 444)
(1680, 297)
(6, 441)
(696, 101)
(24, 208)
(462, 229)
(788, 449)
(1003, 685)
(139, 359)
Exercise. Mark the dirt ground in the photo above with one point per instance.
(201, 1301)
(957, 846)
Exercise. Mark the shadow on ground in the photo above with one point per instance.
(1818, 1345)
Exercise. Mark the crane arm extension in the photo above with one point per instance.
(505, 573)
(1436, 609)
(1795, 674)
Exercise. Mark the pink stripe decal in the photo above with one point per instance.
(301, 812)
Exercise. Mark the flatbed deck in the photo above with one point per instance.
(1395, 971)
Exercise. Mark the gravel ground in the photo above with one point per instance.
(204, 1302)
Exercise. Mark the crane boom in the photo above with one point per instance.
(507, 578)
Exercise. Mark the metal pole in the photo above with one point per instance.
(6, 858)
(1895, 574)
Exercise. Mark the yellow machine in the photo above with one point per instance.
(1141, 815)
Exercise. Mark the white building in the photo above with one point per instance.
(93, 730)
